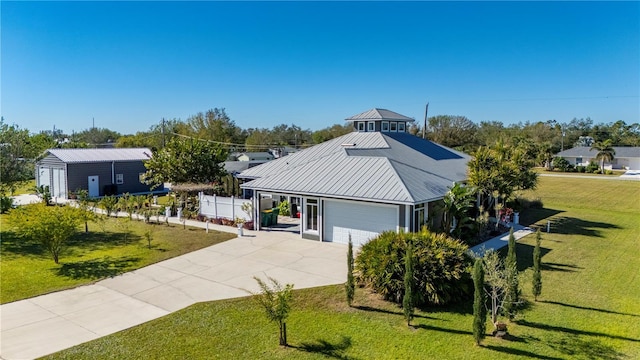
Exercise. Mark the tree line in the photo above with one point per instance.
(20, 149)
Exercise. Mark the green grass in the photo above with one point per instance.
(25, 188)
(27, 270)
(589, 307)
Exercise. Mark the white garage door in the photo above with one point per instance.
(363, 221)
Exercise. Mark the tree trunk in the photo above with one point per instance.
(86, 226)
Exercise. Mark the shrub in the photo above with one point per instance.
(561, 163)
(608, 172)
(440, 267)
(284, 208)
(6, 203)
(592, 168)
(248, 225)
(580, 169)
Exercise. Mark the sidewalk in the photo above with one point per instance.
(500, 241)
(49, 323)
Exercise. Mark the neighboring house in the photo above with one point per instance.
(627, 158)
(99, 171)
(255, 156)
(377, 178)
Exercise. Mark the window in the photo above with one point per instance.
(361, 126)
(311, 215)
(385, 126)
(394, 126)
(419, 217)
(578, 161)
(371, 126)
(119, 179)
(401, 127)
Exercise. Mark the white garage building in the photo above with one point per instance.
(377, 178)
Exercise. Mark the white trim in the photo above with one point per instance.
(371, 126)
(304, 213)
(403, 126)
(382, 126)
(361, 126)
(393, 126)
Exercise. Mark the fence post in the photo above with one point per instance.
(215, 206)
(233, 207)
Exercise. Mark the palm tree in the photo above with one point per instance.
(605, 152)
(456, 204)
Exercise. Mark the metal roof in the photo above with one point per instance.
(375, 166)
(379, 114)
(100, 155)
(585, 151)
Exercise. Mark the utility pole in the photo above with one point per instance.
(163, 139)
(424, 128)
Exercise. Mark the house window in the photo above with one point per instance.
(401, 127)
(371, 126)
(361, 126)
(311, 215)
(385, 126)
(578, 161)
(119, 179)
(419, 216)
(394, 126)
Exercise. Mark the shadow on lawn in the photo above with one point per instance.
(531, 216)
(335, 350)
(96, 268)
(589, 308)
(12, 244)
(572, 331)
(102, 239)
(519, 352)
(390, 312)
(591, 349)
(437, 328)
(574, 226)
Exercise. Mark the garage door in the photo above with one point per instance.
(363, 221)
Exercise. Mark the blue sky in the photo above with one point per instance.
(128, 64)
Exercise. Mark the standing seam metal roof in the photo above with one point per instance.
(100, 155)
(373, 166)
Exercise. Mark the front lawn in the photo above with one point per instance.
(588, 309)
(27, 270)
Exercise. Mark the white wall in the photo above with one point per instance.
(223, 207)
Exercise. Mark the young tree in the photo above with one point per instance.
(537, 276)
(276, 301)
(51, 225)
(511, 277)
(350, 286)
(125, 203)
(605, 152)
(407, 300)
(479, 299)
(148, 235)
(84, 205)
(109, 203)
(497, 284)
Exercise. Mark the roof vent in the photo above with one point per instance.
(348, 144)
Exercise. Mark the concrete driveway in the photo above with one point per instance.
(49, 323)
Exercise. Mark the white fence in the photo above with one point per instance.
(223, 207)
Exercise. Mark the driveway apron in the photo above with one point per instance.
(49, 323)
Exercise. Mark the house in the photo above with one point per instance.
(376, 178)
(255, 156)
(626, 157)
(99, 171)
